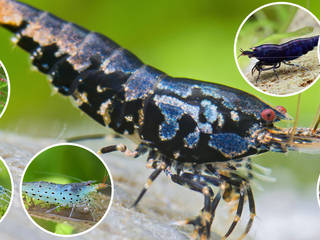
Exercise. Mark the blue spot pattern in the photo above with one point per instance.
(141, 83)
(192, 139)
(170, 126)
(210, 110)
(180, 88)
(229, 143)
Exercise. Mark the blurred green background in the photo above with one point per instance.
(184, 38)
(5, 179)
(66, 164)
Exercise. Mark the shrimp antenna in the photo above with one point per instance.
(85, 137)
(295, 123)
(241, 50)
(54, 174)
(105, 179)
(316, 121)
(103, 184)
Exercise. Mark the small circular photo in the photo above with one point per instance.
(276, 49)
(4, 89)
(6, 192)
(66, 190)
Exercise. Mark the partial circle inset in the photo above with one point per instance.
(66, 190)
(276, 49)
(6, 189)
(4, 89)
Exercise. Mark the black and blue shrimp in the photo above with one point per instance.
(198, 133)
(275, 54)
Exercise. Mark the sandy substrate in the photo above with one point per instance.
(282, 213)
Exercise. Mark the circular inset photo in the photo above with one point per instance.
(66, 189)
(6, 193)
(4, 89)
(276, 49)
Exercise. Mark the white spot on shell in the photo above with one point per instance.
(129, 118)
(176, 155)
(104, 107)
(37, 52)
(126, 132)
(100, 89)
(82, 98)
(205, 127)
(15, 39)
(220, 120)
(103, 111)
(234, 116)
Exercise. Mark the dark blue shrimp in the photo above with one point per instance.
(275, 54)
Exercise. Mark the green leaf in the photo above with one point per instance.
(277, 37)
(64, 229)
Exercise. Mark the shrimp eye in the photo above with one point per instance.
(281, 109)
(268, 115)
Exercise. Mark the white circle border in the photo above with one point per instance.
(9, 88)
(89, 229)
(12, 190)
(236, 40)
